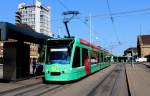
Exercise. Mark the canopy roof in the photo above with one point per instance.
(8, 30)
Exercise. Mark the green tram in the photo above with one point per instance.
(69, 59)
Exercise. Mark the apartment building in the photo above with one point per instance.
(36, 16)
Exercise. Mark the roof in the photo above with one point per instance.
(131, 49)
(8, 30)
(34, 6)
(145, 39)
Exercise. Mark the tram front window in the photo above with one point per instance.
(59, 56)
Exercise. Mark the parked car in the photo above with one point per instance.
(141, 60)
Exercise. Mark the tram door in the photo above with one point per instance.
(86, 60)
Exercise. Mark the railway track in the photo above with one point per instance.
(35, 90)
(111, 83)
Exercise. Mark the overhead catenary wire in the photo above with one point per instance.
(68, 9)
(84, 19)
(62, 4)
(79, 18)
(106, 15)
(109, 11)
(115, 14)
(112, 21)
(65, 7)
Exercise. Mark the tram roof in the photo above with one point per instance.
(60, 39)
(81, 41)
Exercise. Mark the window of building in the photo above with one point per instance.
(76, 59)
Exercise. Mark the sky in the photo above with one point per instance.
(115, 34)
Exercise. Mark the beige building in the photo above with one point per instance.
(132, 51)
(33, 50)
(143, 45)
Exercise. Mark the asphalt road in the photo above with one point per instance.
(107, 82)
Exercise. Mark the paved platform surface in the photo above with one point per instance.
(138, 79)
(1, 70)
(19, 84)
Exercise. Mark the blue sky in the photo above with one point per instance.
(125, 28)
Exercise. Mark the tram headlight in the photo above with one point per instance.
(65, 70)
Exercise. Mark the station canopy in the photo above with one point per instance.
(8, 30)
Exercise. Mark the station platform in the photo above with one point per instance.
(138, 79)
(6, 87)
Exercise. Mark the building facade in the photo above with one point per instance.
(36, 16)
(131, 53)
(143, 46)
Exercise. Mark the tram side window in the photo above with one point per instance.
(94, 57)
(84, 55)
(76, 59)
